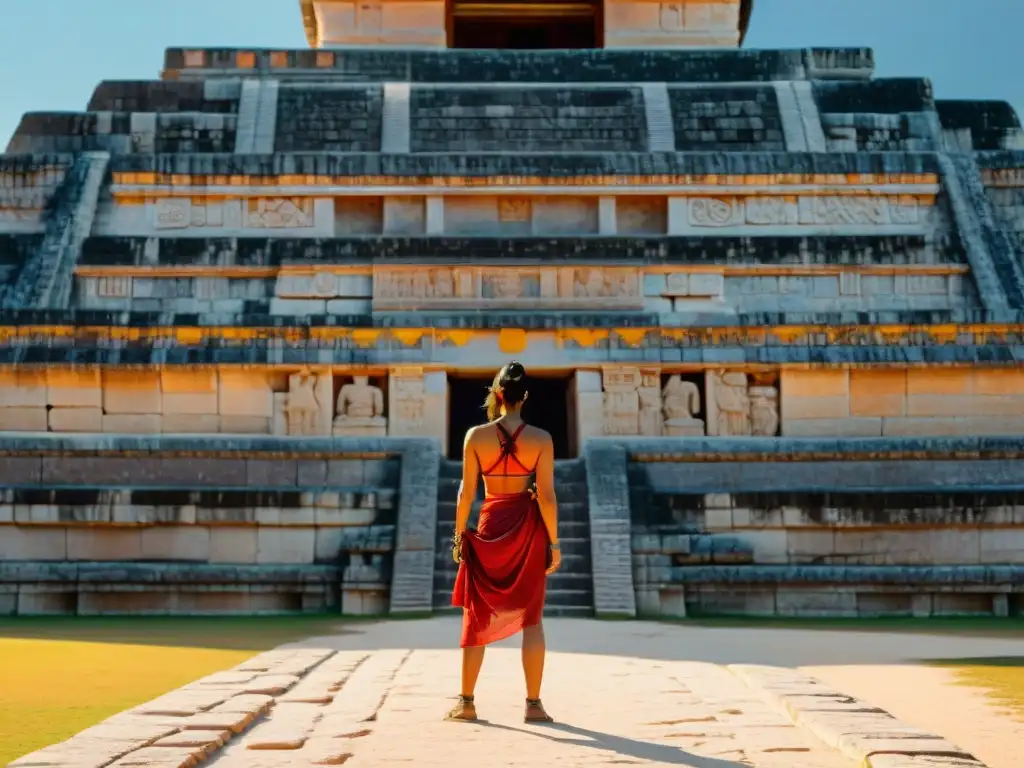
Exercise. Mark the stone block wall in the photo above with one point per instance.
(287, 401)
(259, 528)
(727, 119)
(912, 402)
(802, 527)
(328, 119)
(125, 132)
(26, 187)
(878, 116)
(533, 119)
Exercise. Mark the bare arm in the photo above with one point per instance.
(546, 490)
(467, 490)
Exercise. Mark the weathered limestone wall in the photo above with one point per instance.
(94, 525)
(693, 23)
(911, 402)
(405, 402)
(805, 527)
(398, 23)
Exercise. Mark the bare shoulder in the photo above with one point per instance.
(538, 435)
(471, 433)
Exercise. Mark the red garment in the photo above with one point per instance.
(501, 581)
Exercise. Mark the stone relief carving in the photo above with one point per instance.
(713, 211)
(764, 410)
(305, 408)
(463, 287)
(301, 405)
(600, 283)
(514, 209)
(360, 409)
(173, 213)
(681, 406)
(621, 401)
(408, 400)
(414, 284)
(114, 287)
(742, 407)
(651, 419)
(279, 213)
(821, 210)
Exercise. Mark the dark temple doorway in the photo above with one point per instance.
(549, 407)
(529, 25)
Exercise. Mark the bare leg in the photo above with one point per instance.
(472, 660)
(534, 649)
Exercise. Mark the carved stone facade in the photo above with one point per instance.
(867, 210)
(249, 213)
(519, 288)
(740, 404)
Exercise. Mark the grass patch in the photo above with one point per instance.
(60, 676)
(967, 626)
(1001, 678)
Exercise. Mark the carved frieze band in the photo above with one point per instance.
(254, 213)
(819, 210)
(467, 287)
(1003, 177)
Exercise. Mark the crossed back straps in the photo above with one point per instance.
(508, 453)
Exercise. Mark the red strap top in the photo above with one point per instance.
(508, 453)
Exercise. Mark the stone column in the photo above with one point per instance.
(589, 407)
(435, 215)
(607, 222)
(678, 223)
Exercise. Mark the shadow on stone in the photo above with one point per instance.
(632, 748)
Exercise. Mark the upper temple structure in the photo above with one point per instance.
(771, 307)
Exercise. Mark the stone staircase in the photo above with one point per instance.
(571, 589)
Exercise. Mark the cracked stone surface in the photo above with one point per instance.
(624, 693)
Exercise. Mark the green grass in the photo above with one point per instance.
(1001, 678)
(968, 626)
(60, 676)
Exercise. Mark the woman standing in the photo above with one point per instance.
(503, 564)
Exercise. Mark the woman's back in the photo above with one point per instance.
(508, 454)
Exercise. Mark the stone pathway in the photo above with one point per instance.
(375, 695)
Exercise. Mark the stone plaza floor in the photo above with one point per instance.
(623, 693)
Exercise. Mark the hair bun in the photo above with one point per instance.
(514, 371)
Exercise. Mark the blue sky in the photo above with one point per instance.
(53, 53)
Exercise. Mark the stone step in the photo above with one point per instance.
(661, 136)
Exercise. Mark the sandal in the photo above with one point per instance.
(464, 711)
(535, 712)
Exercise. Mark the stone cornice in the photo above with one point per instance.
(814, 449)
(594, 339)
(484, 169)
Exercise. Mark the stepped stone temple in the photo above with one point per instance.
(772, 307)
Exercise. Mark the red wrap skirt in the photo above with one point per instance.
(501, 580)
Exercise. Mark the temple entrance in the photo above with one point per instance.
(529, 25)
(550, 406)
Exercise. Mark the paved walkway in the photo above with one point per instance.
(625, 693)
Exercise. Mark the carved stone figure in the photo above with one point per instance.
(360, 409)
(764, 410)
(589, 283)
(681, 404)
(301, 406)
(733, 404)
